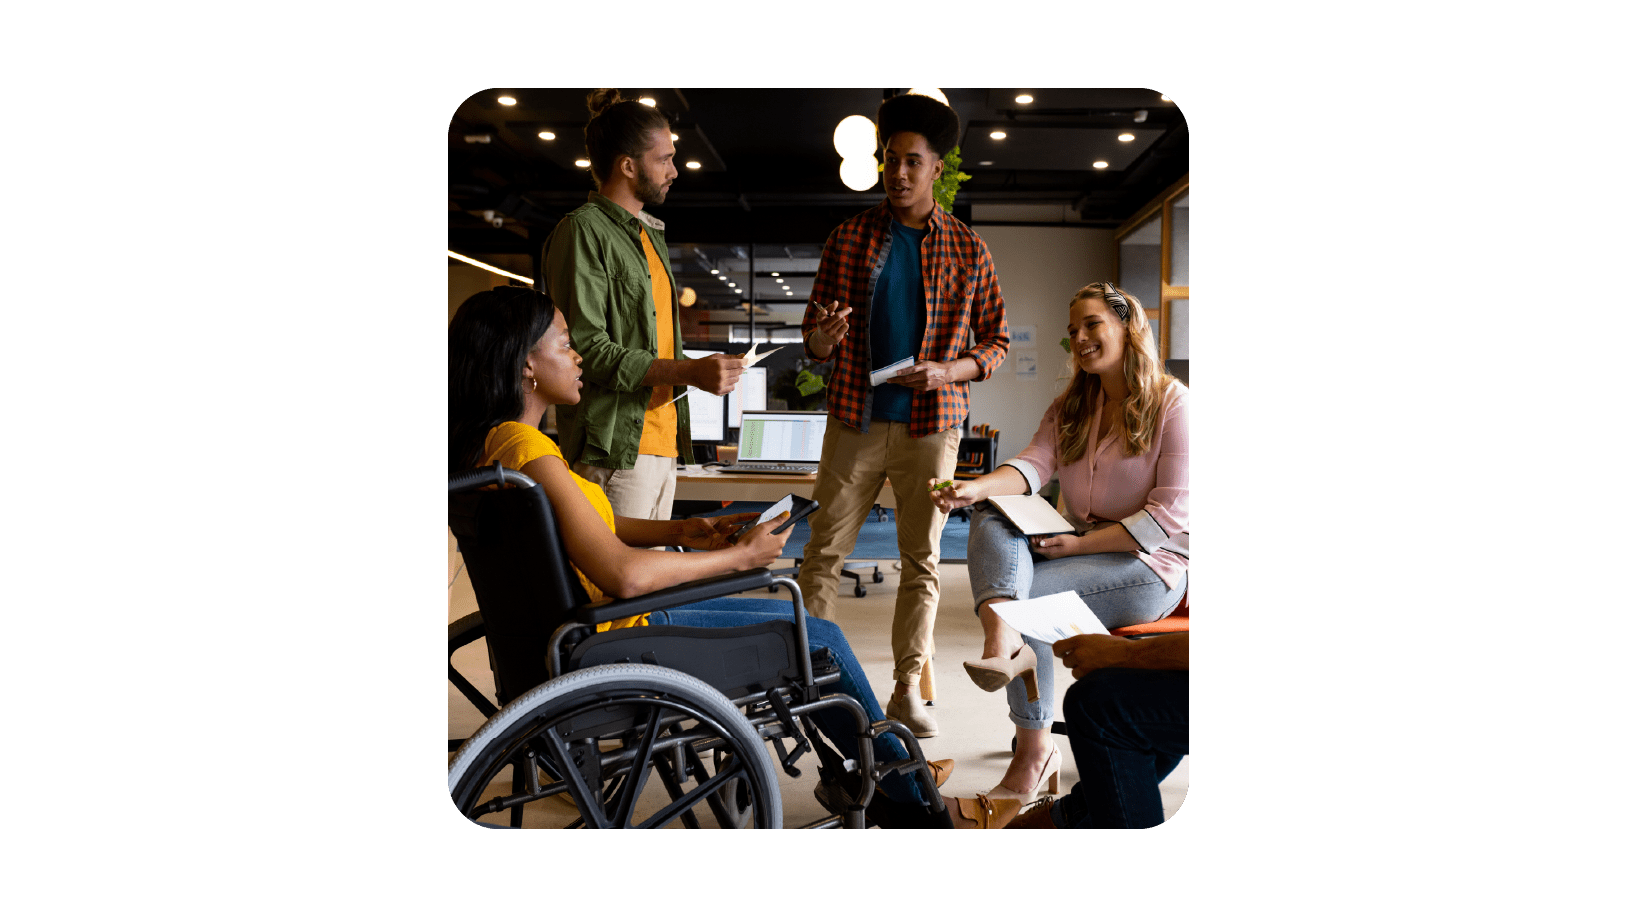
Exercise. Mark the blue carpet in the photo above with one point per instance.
(876, 541)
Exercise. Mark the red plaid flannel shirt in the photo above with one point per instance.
(963, 301)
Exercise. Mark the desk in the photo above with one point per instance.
(697, 483)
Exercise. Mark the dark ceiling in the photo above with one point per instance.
(768, 170)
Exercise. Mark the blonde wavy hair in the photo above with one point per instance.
(1147, 382)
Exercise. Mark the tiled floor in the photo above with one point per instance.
(974, 726)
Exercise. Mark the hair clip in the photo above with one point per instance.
(1117, 302)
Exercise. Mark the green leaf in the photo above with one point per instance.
(809, 383)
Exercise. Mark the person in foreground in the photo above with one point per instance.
(1119, 439)
(1128, 717)
(510, 356)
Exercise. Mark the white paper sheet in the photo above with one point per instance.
(1050, 618)
(889, 371)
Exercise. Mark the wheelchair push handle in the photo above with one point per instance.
(495, 474)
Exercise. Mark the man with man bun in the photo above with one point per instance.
(918, 284)
(605, 266)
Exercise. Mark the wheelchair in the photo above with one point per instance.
(642, 727)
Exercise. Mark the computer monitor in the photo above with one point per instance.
(781, 436)
(750, 394)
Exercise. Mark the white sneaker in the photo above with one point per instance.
(910, 711)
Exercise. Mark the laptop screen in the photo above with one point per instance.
(775, 436)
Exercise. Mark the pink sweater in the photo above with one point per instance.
(1148, 494)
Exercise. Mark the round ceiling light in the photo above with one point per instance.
(1100, 164)
(931, 92)
(647, 100)
(998, 135)
(858, 173)
(546, 136)
(506, 101)
(583, 163)
(1125, 136)
(686, 297)
(854, 136)
(693, 165)
(1024, 99)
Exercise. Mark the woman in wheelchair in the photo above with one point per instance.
(1119, 439)
(510, 357)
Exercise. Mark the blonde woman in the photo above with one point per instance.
(1119, 439)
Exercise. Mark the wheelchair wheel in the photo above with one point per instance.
(631, 745)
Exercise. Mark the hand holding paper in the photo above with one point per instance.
(889, 371)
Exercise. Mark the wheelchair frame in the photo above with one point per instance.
(598, 714)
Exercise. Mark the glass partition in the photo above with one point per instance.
(1153, 263)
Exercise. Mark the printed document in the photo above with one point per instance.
(1050, 618)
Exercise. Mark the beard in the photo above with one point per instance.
(649, 193)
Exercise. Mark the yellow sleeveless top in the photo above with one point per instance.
(515, 445)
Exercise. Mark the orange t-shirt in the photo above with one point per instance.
(660, 419)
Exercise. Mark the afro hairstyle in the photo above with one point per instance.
(926, 116)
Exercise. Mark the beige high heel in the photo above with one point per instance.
(993, 673)
(1050, 774)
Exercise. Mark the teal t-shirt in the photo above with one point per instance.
(897, 317)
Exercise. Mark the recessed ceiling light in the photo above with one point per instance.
(1166, 99)
(714, 272)
(506, 101)
(1125, 136)
(986, 163)
(775, 274)
(999, 135)
(1100, 164)
(1024, 98)
(647, 100)
(546, 136)
(583, 163)
(693, 165)
(674, 136)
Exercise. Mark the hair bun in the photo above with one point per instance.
(599, 100)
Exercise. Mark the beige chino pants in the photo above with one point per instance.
(852, 468)
(643, 491)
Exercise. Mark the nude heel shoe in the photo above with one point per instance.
(1050, 774)
(993, 673)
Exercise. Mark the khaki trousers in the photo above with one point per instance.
(640, 492)
(852, 468)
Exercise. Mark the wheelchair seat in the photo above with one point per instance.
(647, 726)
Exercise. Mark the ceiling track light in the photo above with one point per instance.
(498, 271)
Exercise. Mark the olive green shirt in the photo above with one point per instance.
(597, 274)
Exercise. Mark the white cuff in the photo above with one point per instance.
(1032, 479)
(1145, 531)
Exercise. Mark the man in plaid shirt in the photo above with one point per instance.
(927, 293)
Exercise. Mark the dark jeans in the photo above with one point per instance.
(735, 611)
(1128, 730)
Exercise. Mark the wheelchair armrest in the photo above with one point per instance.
(693, 591)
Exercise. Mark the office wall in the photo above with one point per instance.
(1039, 269)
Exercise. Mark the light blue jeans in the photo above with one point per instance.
(1120, 589)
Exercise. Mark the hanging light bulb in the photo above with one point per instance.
(853, 136)
(858, 173)
(931, 92)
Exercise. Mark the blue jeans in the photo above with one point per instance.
(1119, 588)
(1128, 730)
(737, 611)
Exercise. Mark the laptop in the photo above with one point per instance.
(779, 442)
